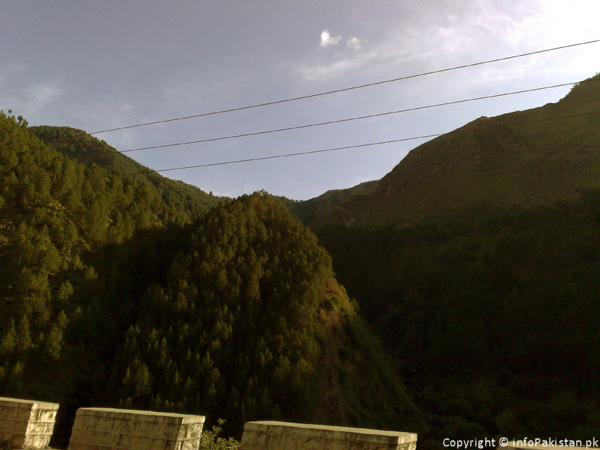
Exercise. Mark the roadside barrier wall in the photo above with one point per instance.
(295, 436)
(26, 423)
(123, 429)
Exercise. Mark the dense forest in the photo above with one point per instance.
(123, 296)
(495, 323)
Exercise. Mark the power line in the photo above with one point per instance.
(355, 146)
(310, 152)
(369, 144)
(350, 88)
(349, 119)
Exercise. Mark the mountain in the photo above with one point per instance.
(111, 295)
(248, 321)
(522, 159)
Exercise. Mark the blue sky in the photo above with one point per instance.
(102, 64)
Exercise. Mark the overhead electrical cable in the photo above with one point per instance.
(339, 121)
(369, 144)
(349, 119)
(346, 89)
(364, 145)
(310, 152)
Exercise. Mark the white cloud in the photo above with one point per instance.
(341, 67)
(354, 43)
(327, 39)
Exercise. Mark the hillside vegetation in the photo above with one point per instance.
(110, 290)
(496, 324)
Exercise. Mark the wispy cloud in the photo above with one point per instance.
(327, 39)
(340, 67)
(31, 100)
(41, 95)
(354, 43)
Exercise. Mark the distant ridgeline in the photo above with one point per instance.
(127, 290)
(88, 150)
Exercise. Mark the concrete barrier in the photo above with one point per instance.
(26, 423)
(294, 436)
(123, 429)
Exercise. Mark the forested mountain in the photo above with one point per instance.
(248, 321)
(522, 159)
(58, 315)
(477, 262)
(111, 295)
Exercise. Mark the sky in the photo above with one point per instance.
(104, 64)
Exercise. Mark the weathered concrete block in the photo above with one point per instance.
(295, 436)
(26, 423)
(125, 429)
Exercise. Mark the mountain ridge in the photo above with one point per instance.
(490, 164)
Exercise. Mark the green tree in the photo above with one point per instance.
(213, 440)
